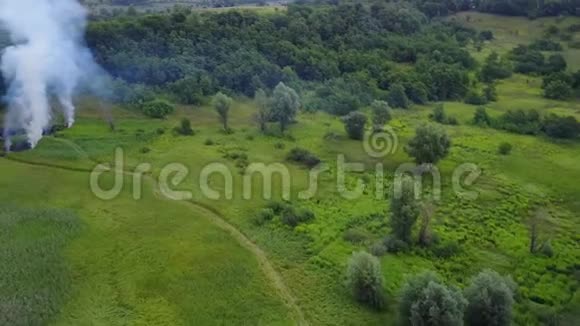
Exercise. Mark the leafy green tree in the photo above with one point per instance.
(495, 68)
(354, 124)
(558, 90)
(490, 300)
(404, 210)
(285, 105)
(426, 301)
(560, 127)
(438, 114)
(397, 97)
(185, 128)
(490, 92)
(263, 115)
(381, 114)
(365, 279)
(430, 144)
(222, 104)
(158, 109)
(481, 118)
(556, 63)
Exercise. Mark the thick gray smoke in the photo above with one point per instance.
(46, 64)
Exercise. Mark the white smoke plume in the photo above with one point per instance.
(48, 60)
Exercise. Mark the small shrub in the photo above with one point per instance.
(160, 131)
(394, 245)
(250, 137)
(292, 217)
(209, 142)
(365, 280)
(378, 249)
(356, 235)
(300, 155)
(446, 249)
(505, 148)
(277, 206)
(452, 121)
(263, 216)
(184, 128)
(547, 249)
(145, 150)
(279, 145)
(475, 98)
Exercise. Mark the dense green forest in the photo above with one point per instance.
(339, 57)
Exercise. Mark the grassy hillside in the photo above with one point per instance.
(511, 31)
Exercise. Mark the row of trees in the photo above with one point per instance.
(530, 123)
(426, 300)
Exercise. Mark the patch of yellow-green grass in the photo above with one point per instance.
(147, 262)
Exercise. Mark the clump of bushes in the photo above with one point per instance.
(157, 109)
(292, 216)
(303, 156)
(440, 116)
(364, 279)
(288, 214)
(263, 216)
(446, 249)
(356, 235)
(505, 148)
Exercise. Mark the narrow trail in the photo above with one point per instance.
(214, 217)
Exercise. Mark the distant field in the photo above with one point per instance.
(511, 31)
(156, 6)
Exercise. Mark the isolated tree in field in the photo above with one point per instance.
(263, 114)
(481, 118)
(285, 105)
(490, 300)
(430, 144)
(558, 90)
(365, 279)
(404, 210)
(426, 301)
(381, 114)
(158, 109)
(185, 127)
(222, 103)
(538, 227)
(354, 124)
(438, 114)
(397, 97)
(425, 232)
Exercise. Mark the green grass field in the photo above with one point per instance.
(511, 31)
(154, 261)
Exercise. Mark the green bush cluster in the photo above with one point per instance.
(303, 156)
